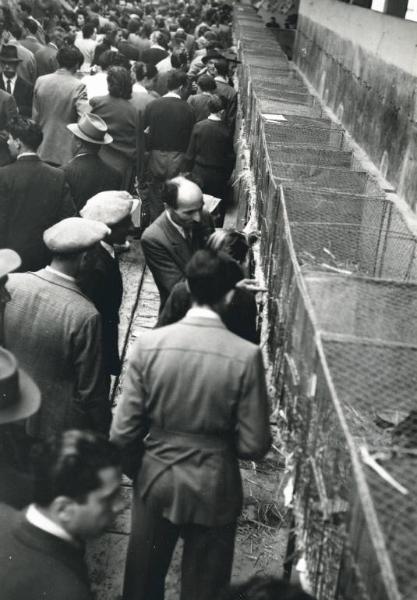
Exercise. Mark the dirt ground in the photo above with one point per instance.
(262, 532)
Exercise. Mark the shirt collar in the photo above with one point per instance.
(172, 95)
(203, 312)
(59, 274)
(157, 46)
(52, 45)
(11, 79)
(39, 520)
(26, 154)
(108, 249)
(221, 79)
(177, 227)
(214, 118)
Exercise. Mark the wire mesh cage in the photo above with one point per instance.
(341, 271)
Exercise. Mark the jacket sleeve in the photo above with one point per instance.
(35, 105)
(91, 406)
(165, 272)
(253, 435)
(130, 423)
(191, 153)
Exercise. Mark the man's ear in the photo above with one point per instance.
(62, 510)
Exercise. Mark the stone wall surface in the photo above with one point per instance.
(364, 66)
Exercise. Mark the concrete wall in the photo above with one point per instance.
(364, 65)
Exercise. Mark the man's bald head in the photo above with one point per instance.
(184, 201)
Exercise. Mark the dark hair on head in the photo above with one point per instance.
(178, 60)
(140, 70)
(211, 275)
(107, 59)
(31, 25)
(146, 30)
(120, 60)
(68, 465)
(222, 66)
(215, 104)
(206, 83)
(119, 83)
(161, 39)
(234, 243)
(56, 32)
(69, 57)
(210, 36)
(88, 30)
(176, 79)
(133, 26)
(170, 193)
(184, 23)
(151, 71)
(264, 587)
(16, 30)
(27, 131)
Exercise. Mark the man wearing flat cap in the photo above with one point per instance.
(101, 279)
(55, 333)
(86, 173)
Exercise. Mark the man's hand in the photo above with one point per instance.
(252, 285)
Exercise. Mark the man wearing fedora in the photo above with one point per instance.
(55, 332)
(10, 81)
(23, 221)
(19, 399)
(86, 173)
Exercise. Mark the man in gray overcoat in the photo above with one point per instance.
(194, 401)
(55, 333)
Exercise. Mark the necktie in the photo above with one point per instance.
(8, 86)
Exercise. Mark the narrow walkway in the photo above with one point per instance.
(262, 534)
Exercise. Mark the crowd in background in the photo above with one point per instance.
(118, 120)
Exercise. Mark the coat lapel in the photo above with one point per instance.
(176, 242)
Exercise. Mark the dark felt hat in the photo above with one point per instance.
(9, 54)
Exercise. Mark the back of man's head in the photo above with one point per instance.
(222, 66)
(176, 80)
(69, 465)
(88, 31)
(27, 131)
(70, 58)
(211, 275)
(206, 83)
(215, 104)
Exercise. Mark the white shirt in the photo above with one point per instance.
(86, 47)
(26, 154)
(39, 520)
(109, 249)
(59, 274)
(96, 84)
(172, 95)
(164, 65)
(221, 79)
(214, 118)
(12, 83)
(202, 311)
(139, 88)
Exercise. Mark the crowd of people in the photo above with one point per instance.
(118, 120)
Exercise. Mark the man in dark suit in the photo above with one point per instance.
(219, 69)
(100, 278)
(8, 110)
(210, 155)
(33, 196)
(46, 61)
(170, 121)
(86, 173)
(12, 83)
(194, 402)
(177, 233)
(77, 495)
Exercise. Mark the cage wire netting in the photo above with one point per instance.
(341, 270)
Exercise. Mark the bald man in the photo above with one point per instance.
(171, 240)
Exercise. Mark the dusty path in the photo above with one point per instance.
(261, 535)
